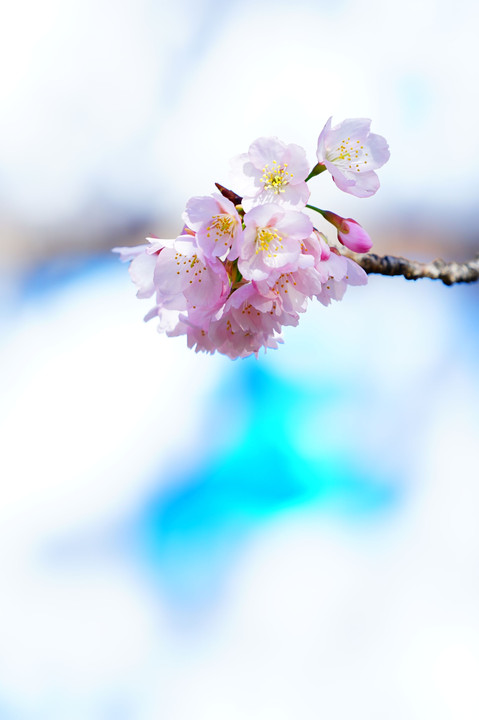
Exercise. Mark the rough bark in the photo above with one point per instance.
(449, 272)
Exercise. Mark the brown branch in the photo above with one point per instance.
(449, 272)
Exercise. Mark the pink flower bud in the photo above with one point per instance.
(354, 237)
(350, 233)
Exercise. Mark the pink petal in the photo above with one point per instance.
(321, 150)
(141, 272)
(199, 209)
(266, 150)
(128, 253)
(378, 150)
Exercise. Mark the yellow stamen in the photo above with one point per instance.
(277, 178)
(266, 237)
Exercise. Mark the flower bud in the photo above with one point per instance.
(350, 233)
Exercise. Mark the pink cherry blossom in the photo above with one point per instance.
(271, 172)
(259, 311)
(291, 292)
(217, 225)
(352, 153)
(183, 280)
(338, 272)
(232, 340)
(226, 335)
(272, 241)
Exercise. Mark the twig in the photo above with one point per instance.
(449, 272)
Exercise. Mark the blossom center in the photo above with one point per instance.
(350, 154)
(276, 178)
(186, 264)
(282, 283)
(221, 225)
(268, 240)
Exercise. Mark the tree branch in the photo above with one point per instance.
(449, 272)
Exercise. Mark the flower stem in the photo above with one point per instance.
(321, 212)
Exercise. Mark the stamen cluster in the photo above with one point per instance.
(246, 264)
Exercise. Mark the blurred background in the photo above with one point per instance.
(183, 536)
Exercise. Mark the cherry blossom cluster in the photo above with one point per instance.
(248, 260)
